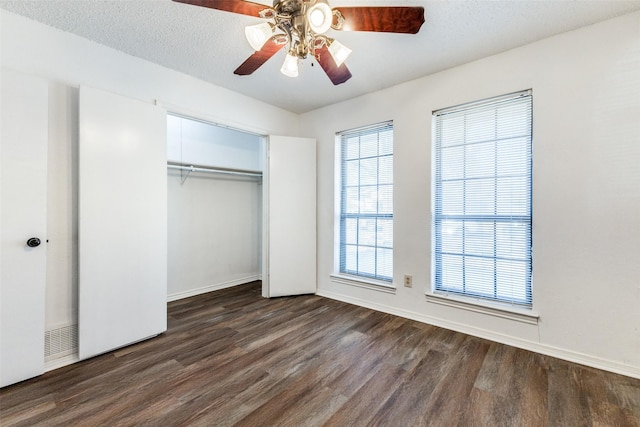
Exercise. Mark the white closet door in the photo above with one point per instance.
(23, 207)
(290, 215)
(122, 222)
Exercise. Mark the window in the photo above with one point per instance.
(482, 199)
(366, 202)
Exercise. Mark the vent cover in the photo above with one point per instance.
(61, 342)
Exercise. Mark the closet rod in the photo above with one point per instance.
(213, 169)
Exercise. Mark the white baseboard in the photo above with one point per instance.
(548, 350)
(214, 287)
(50, 365)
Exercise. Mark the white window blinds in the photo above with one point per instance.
(482, 206)
(366, 207)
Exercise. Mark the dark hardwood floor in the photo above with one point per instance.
(232, 357)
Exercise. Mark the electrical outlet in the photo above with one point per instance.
(408, 280)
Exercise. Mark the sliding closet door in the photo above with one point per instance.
(122, 221)
(290, 215)
(23, 203)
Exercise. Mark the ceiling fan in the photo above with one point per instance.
(302, 24)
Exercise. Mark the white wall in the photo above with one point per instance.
(586, 207)
(213, 239)
(68, 61)
(62, 205)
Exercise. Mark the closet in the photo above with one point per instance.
(214, 221)
(242, 207)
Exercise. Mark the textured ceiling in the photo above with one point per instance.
(210, 44)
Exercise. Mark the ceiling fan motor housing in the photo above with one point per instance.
(291, 18)
(287, 7)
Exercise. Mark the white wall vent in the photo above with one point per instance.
(60, 342)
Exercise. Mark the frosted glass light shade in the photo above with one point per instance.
(339, 52)
(257, 35)
(290, 66)
(319, 17)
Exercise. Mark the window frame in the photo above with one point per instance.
(342, 274)
(521, 309)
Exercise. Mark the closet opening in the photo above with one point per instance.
(214, 212)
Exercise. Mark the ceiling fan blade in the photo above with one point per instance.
(336, 74)
(256, 60)
(235, 6)
(393, 19)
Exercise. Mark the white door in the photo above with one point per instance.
(23, 207)
(122, 222)
(290, 216)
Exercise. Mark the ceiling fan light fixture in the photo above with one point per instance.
(290, 65)
(320, 17)
(338, 51)
(257, 35)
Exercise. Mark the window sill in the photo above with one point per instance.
(363, 283)
(480, 306)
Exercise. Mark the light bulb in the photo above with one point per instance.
(320, 17)
(257, 35)
(339, 52)
(290, 66)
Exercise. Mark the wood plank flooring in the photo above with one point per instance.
(232, 357)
